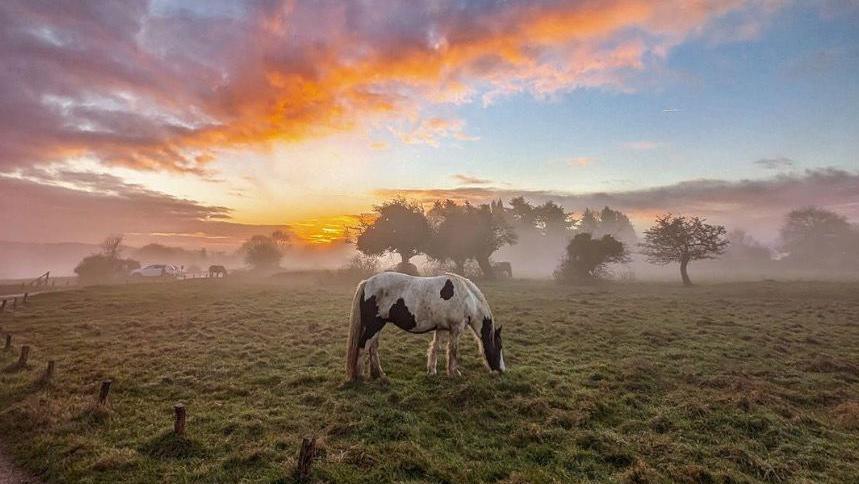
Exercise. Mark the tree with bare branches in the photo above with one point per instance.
(683, 240)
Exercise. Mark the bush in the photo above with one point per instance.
(103, 268)
(586, 258)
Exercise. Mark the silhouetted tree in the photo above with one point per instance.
(813, 237)
(263, 252)
(106, 266)
(548, 219)
(464, 232)
(607, 222)
(551, 219)
(682, 239)
(586, 258)
(399, 226)
(110, 246)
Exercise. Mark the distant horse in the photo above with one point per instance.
(217, 271)
(418, 305)
(503, 269)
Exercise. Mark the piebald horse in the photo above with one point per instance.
(447, 303)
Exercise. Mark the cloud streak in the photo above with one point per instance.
(463, 179)
(778, 163)
(84, 207)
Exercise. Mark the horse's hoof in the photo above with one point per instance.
(383, 380)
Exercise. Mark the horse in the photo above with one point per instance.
(447, 303)
(503, 269)
(217, 271)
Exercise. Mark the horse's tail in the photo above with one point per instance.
(352, 351)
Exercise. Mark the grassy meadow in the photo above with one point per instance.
(630, 382)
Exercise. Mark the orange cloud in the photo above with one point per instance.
(165, 91)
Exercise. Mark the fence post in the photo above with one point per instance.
(8, 346)
(25, 354)
(3, 306)
(305, 457)
(26, 296)
(49, 371)
(179, 423)
(104, 391)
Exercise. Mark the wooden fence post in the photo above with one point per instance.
(8, 346)
(3, 306)
(25, 354)
(26, 296)
(179, 423)
(104, 391)
(14, 304)
(305, 458)
(49, 371)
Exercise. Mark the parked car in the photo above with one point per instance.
(156, 270)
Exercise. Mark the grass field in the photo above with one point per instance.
(747, 382)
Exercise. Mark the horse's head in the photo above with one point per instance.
(490, 338)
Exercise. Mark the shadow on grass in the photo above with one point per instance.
(171, 446)
(16, 367)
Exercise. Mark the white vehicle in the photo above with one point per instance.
(156, 270)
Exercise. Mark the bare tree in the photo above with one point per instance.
(110, 246)
(682, 239)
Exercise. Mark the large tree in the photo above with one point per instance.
(399, 226)
(464, 232)
(264, 252)
(607, 222)
(814, 237)
(586, 257)
(548, 219)
(683, 239)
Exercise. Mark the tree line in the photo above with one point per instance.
(455, 233)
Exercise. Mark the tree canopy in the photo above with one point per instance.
(683, 239)
(399, 226)
(463, 232)
(607, 222)
(548, 219)
(816, 237)
(264, 252)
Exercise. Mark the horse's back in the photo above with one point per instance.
(434, 302)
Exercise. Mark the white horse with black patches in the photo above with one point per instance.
(447, 303)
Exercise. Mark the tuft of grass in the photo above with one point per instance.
(750, 382)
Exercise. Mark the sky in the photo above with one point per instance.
(202, 123)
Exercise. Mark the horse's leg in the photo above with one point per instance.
(432, 353)
(373, 357)
(453, 352)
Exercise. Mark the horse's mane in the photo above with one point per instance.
(475, 291)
